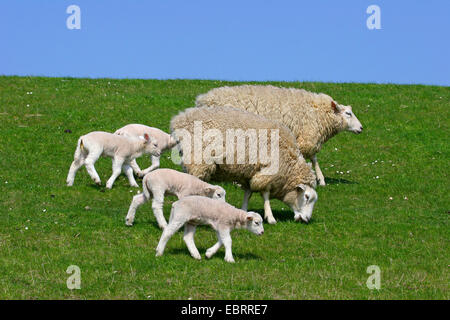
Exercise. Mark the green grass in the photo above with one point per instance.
(44, 226)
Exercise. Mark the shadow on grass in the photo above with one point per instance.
(338, 181)
(282, 216)
(219, 255)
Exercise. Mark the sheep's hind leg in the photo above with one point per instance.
(168, 232)
(129, 173)
(213, 250)
(319, 173)
(89, 164)
(157, 206)
(138, 200)
(136, 168)
(189, 232)
(76, 164)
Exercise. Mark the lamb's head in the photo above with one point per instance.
(216, 192)
(254, 223)
(302, 201)
(151, 146)
(351, 122)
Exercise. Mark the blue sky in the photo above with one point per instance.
(322, 40)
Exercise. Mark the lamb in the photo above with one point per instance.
(313, 118)
(221, 216)
(162, 181)
(122, 150)
(293, 181)
(165, 142)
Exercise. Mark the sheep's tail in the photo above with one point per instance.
(79, 150)
(145, 189)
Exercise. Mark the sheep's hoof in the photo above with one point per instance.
(129, 223)
(271, 221)
(197, 257)
(158, 254)
(230, 260)
(208, 254)
(322, 183)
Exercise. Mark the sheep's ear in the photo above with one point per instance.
(210, 190)
(146, 137)
(249, 218)
(334, 106)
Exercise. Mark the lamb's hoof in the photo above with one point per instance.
(129, 223)
(109, 187)
(134, 185)
(158, 254)
(140, 174)
(230, 260)
(322, 183)
(271, 221)
(197, 257)
(208, 254)
(69, 184)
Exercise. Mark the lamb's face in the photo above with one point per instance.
(351, 122)
(218, 193)
(302, 201)
(255, 223)
(151, 146)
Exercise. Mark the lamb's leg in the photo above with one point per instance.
(267, 210)
(169, 231)
(89, 164)
(212, 251)
(225, 238)
(136, 168)
(189, 232)
(129, 173)
(76, 164)
(138, 200)
(319, 173)
(247, 196)
(117, 169)
(155, 165)
(157, 206)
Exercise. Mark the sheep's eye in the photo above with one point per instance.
(348, 113)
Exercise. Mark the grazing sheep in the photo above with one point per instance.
(313, 118)
(162, 181)
(221, 216)
(292, 182)
(122, 150)
(165, 142)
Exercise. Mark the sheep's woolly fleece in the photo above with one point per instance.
(293, 169)
(309, 115)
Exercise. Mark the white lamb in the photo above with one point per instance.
(122, 150)
(221, 216)
(162, 181)
(165, 142)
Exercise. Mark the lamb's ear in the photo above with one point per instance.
(210, 190)
(146, 137)
(249, 218)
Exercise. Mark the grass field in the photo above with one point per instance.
(386, 202)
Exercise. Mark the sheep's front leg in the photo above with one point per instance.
(136, 168)
(138, 200)
(155, 165)
(117, 169)
(247, 196)
(212, 251)
(267, 210)
(189, 232)
(225, 238)
(319, 173)
(129, 173)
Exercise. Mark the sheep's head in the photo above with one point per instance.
(216, 192)
(151, 146)
(254, 223)
(351, 123)
(302, 201)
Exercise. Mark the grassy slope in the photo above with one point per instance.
(354, 225)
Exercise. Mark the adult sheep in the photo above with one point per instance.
(285, 175)
(314, 118)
